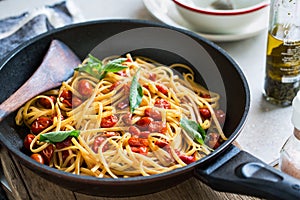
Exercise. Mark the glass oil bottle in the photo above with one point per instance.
(282, 80)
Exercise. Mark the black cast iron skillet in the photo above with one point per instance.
(226, 169)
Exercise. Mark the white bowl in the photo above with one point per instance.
(203, 18)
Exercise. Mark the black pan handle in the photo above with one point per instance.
(239, 172)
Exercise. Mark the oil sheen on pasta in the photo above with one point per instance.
(138, 118)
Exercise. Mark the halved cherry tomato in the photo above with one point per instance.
(40, 124)
(47, 153)
(127, 119)
(134, 130)
(97, 142)
(157, 126)
(138, 142)
(163, 89)
(154, 113)
(109, 121)
(144, 122)
(141, 150)
(152, 77)
(66, 97)
(161, 143)
(162, 103)
(45, 102)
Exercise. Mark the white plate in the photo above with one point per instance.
(166, 12)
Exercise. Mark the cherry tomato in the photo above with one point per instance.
(205, 113)
(28, 140)
(187, 159)
(97, 142)
(138, 142)
(109, 121)
(157, 126)
(123, 104)
(66, 143)
(161, 143)
(47, 153)
(40, 124)
(152, 112)
(76, 101)
(220, 114)
(38, 158)
(141, 150)
(207, 96)
(212, 140)
(144, 134)
(152, 77)
(127, 119)
(114, 85)
(144, 122)
(133, 130)
(85, 88)
(163, 89)
(66, 97)
(122, 73)
(45, 102)
(162, 103)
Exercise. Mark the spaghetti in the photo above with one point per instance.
(123, 117)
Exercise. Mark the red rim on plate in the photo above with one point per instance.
(223, 12)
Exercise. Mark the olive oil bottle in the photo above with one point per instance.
(282, 80)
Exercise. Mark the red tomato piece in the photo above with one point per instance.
(40, 124)
(85, 88)
(38, 158)
(109, 121)
(144, 122)
(205, 113)
(157, 126)
(28, 140)
(152, 112)
(46, 103)
(138, 142)
(141, 150)
(163, 89)
(127, 119)
(162, 103)
(47, 153)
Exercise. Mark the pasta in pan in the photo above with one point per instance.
(123, 117)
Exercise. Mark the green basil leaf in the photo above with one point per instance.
(95, 67)
(58, 136)
(135, 94)
(115, 65)
(193, 129)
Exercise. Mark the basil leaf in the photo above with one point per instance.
(135, 94)
(58, 136)
(95, 67)
(115, 65)
(193, 129)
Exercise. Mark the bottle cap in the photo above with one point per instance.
(296, 111)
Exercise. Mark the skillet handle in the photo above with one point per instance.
(239, 172)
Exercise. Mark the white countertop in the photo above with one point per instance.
(267, 127)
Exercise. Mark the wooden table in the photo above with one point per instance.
(22, 183)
